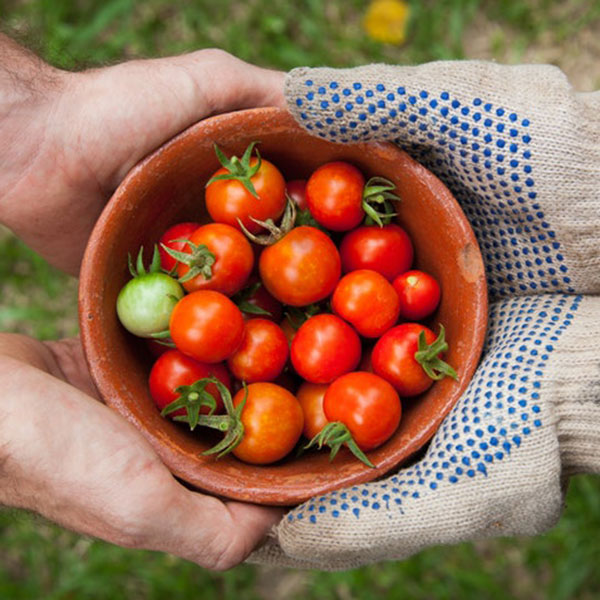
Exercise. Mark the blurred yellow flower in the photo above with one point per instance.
(385, 21)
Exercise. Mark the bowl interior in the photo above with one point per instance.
(168, 187)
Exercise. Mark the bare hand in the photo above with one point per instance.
(78, 463)
(70, 138)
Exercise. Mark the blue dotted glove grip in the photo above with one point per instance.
(483, 151)
(499, 412)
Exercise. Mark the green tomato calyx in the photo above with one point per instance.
(427, 356)
(230, 423)
(296, 315)
(139, 270)
(276, 232)
(335, 434)
(200, 260)
(239, 168)
(192, 398)
(378, 201)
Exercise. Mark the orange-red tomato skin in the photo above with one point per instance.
(273, 422)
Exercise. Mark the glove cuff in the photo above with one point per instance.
(576, 391)
(579, 438)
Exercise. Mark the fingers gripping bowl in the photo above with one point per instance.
(167, 188)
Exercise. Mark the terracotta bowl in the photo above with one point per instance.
(167, 187)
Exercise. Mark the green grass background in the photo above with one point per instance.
(39, 560)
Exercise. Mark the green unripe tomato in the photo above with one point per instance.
(144, 304)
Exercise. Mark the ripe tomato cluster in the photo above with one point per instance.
(294, 312)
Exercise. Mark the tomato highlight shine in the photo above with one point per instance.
(301, 268)
(387, 250)
(419, 294)
(207, 326)
(228, 200)
(334, 195)
(368, 301)
(324, 348)
(368, 406)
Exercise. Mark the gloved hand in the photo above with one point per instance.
(521, 152)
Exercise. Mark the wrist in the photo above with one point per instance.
(14, 485)
(19, 356)
(575, 390)
(579, 438)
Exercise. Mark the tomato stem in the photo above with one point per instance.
(304, 217)
(276, 231)
(230, 423)
(239, 168)
(379, 191)
(139, 268)
(163, 340)
(200, 260)
(192, 398)
(427, 356)
(165, 334)
(335, 434)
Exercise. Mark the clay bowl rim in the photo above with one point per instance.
(91, 329)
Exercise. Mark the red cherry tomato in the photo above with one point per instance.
(207, 326)
(174, 369)
(272, 420)
(334, 194)
(419, 294)
(368, 301)
(296, 189)
(228, 200)
(262, 354)
(387, 250)
(180, 231)
(324, 348)
(233, 259)
(366, 404)
(302, 268)
(310, 396)
(393, 358)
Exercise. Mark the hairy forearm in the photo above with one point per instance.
(24, 77)
(69, 138)
(28, 86)
(29, 90)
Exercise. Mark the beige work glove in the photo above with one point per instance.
(520, 150)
